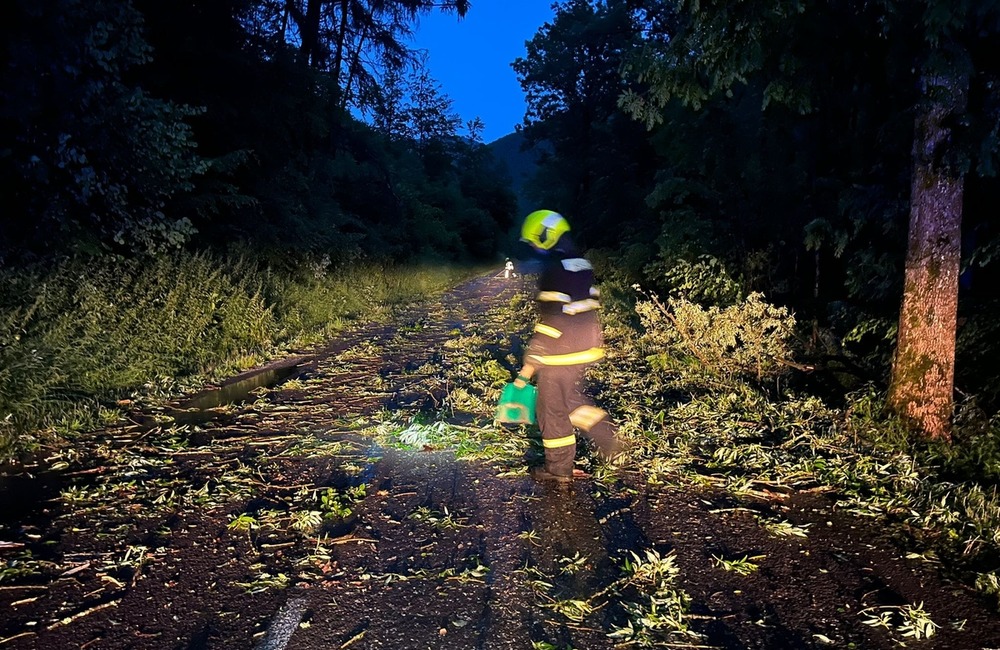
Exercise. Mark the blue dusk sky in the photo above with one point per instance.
(470, 58)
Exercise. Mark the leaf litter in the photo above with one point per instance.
(375, 487)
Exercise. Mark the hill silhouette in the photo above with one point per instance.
(520, 163)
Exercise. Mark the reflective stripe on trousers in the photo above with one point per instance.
(561, 407)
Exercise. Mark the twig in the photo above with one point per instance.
(581, 628)
(348, 538)
(270, 440)
(93, 470)
(77, 569)
(194, 452)
(356, 637)
(86, 612)
(718, 510)
(792, 364)
(16, 636)
(300, 486)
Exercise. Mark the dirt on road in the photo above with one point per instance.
(363, 503)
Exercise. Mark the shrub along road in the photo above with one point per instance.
(369, 502)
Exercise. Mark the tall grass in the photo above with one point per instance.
(77, 338)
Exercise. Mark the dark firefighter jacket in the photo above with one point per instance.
(568, 332)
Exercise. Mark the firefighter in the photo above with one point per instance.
(566, 340)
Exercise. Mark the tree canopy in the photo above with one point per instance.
(782, 139)
(133, 126)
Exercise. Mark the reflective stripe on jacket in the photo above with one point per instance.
(568, 330)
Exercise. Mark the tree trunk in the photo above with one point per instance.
(814, 341)
(309, 32)
(352, 68)
(923, 371)
(338, 58)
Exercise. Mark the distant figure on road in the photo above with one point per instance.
(567, 339)
(508, 269)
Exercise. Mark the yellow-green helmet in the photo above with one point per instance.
(543, 228)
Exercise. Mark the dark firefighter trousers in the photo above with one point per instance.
(562, 407)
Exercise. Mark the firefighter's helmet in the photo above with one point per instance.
(543, 228)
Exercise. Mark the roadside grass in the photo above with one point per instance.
(84, 340)
(689, 424)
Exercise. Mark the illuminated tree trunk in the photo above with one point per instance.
(923, 371)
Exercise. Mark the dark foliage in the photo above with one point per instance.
(596, 163)
(141, 126)
(87, 159)
(779, 141)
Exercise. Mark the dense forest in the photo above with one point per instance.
(835, 156)
(138, 127)
(839, 157)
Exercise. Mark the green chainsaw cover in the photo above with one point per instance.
(517, 405)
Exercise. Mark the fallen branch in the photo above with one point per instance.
(684, 335)
(86, 612)
(792, 364)
(300, 486)
(85, 472)
(16, 636)
(348, 538)
(356, 637)
(77, 569)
